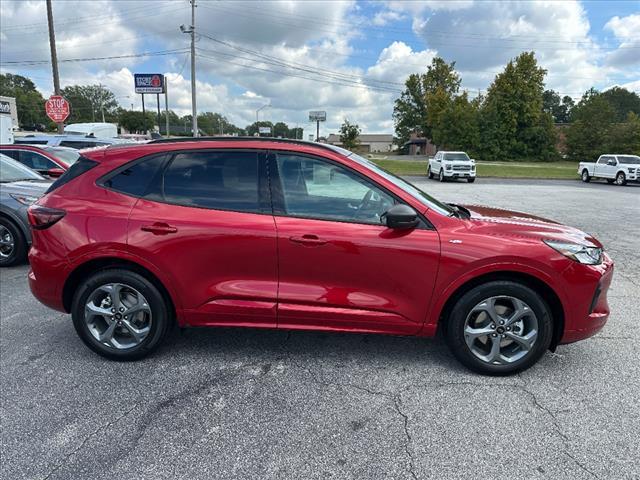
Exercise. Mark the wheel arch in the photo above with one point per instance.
(17, 221)
(84, 269)
(539, 286)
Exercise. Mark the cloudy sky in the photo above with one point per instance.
(349, 58)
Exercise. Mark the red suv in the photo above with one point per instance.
(266, 233)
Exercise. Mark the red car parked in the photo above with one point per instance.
(49, 161)
(281, 234)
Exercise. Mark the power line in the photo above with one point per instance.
(91, 59)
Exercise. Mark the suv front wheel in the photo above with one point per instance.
(499, 328)
(120, 315)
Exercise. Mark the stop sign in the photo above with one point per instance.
(57, 108)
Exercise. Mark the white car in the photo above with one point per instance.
(612, 167)
(447, 165)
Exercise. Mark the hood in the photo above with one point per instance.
(517, 224)
(34, 188)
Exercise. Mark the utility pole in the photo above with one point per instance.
(194, 110)
(54, 56)
(101, 101)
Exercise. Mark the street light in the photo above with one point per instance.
(258, 111)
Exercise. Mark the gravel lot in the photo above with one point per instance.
(225, 403)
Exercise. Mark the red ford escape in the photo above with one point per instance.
(265, 233)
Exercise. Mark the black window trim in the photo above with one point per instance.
(277, 196)
(264, 203)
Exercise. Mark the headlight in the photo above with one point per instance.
(585, 254)
(24, 199)
(632, 170)
(448, 167)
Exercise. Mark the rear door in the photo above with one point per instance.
(340, 268)
(206, 220)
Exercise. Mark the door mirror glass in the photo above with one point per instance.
(401, 217)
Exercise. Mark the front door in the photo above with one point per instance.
(207, 222)
(340, 268)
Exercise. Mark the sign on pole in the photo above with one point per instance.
(317, 116)
(149, 82)
(57, 108)
(266, 130)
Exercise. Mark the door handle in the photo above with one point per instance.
(159, 228)
(311, 240)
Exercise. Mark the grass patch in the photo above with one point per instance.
(550, 170)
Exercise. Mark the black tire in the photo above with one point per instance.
(20, 248)
(621, 179)
(161, 315)
(585, 176)
(610, 181)
(441, 175)
(429, 172)
(471, 180)
(454, 327)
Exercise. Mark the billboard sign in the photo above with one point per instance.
(266, 130)
(149, 82)
(57, 108)
(317, 116)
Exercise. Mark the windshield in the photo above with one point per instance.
(424, 198)
(458, 156)
(12, 171)
(66, 155)
(630, 159)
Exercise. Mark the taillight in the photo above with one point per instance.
(43, 217)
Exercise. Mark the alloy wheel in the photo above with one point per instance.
(7, 242)
(501, 330)
(118, 316)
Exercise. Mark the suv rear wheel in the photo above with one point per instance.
(499, 328)
(120, 315)
(13, 247)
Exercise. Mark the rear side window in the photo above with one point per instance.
(220, 180)
(134, 179)
(36, 161)
(81, 166)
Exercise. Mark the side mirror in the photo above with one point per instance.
(401, 217)
(611, 163)
(55, 172)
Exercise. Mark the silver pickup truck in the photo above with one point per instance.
(612, 167)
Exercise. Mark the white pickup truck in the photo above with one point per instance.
(447, 165)
(612, 167)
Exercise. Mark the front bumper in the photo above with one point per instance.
(589, 309)
(459, 174)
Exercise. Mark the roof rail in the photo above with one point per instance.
(239, 139)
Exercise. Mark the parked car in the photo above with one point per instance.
(285, 234)
(612, 167)
(49, 161)
(19, 188)
(446, 165)
(74, 141)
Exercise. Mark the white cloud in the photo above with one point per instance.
(627, 31)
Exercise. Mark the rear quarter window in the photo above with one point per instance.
(134, 178)
(81, 166)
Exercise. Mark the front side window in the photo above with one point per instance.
(604, 159)
(219, 180)
(313, 188)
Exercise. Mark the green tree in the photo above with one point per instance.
(135, 121)
(625, 137)
(559, 109)
(513, 123)
(458, 127)
(89, 102)
(29, 101)
(622, 101)
(216, 124)
(425, 97)
(349, 133)
(591, 122)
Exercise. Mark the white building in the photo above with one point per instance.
(369, 142)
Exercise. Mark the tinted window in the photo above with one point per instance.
(313, 188)
(135, 178)
(81, 144)
(629, 159)
(36, 161)
(81, 166)
(605, 159)
(15, 154)
(30, 142)
(455, 157)
(218, 180)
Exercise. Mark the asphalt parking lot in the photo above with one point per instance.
(225, 403)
